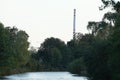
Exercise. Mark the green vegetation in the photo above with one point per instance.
(95, 55)
(53, 54)
(13, 49)
(77, 67)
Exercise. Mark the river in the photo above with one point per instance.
(44, 76)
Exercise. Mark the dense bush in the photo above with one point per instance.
(77, 67)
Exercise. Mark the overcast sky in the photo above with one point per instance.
(49, 18)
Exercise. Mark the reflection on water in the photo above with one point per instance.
(44, 76)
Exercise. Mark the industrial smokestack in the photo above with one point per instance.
(74, 24)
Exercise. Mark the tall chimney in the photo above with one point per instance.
(74, 24)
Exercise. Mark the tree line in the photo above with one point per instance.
(95, 55)
(99, 52)
(13, 49)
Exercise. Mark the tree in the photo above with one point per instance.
(3, 55)
(77, 67)
(99, 29)
(52, 52)
(56, 57)
(104, 54)
(79, 51)
(114, 55)
(14, 49)
(97, 60)
(22, 46)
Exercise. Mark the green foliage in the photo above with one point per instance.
(80, 47)
(79, 50)
(97, 60)
(115, 54)
(103, 57)
(13, 49)
(77, 67)
(33, 64)
(100, 51)
(107, 3)
(54, 54)
(55, 57)
(99, 29)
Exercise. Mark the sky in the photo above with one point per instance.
(43, 19)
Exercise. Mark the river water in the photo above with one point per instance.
(44, 76)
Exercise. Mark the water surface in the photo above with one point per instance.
(44, 76)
